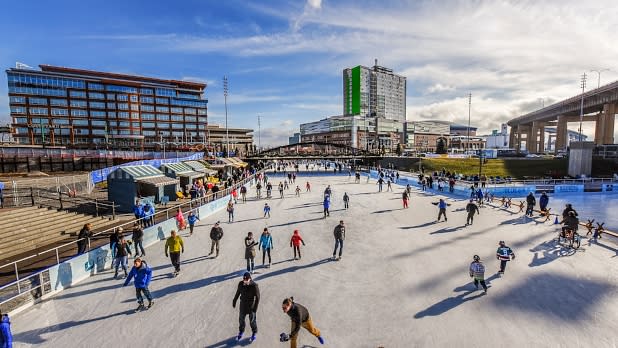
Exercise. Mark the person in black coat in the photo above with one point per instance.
(83, 237)
(249, 294)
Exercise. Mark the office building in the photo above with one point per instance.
(240, 140)
(89, 109)
(294, 139)
(375, 92)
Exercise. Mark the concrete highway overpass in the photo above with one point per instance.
(600, 106)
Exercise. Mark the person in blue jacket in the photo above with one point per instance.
(143, 275)
(266, 244)
(326, 206)
(543, 201)
(192, 219)
(6, 338)
(442, 208)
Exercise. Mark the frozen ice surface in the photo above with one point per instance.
(403, 282)
(602, 207)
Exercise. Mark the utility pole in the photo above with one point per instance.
(469, 108)
(227, 134)
(581, 113)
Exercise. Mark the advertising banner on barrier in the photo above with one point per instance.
(609, 188)
(568, 188)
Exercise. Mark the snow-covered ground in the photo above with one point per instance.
(402, 282)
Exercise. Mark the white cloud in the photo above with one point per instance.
(438, 87)
(316, 4)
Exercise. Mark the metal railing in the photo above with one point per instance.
(70, 153)
(16, 288)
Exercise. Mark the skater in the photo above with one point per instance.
(216, 233)
(326, 205)
(477, 271)
(192, 219)
(235, 195)
(380, 183)
(250, 244)
(269, 190)
(346, 200)
(408, 189)
(175, 246)
(339, 233)
(543, 202)
(567, 209)
(504, 254)
(285, 186)
(230, 211)
(137, 236)
(472, 209)
(121, 254)
(328, 191)
(295, 242)
(266, 210)
(300, 317)
(442, 206)
(297, 191)
(307, 187)
(531, 202)
(281, 190)
(571, 223)
(266, 244)
(83, 238)
(143, 275)
(388, 185)
(405, 197)
(6, 337)
(258, 190)
(243, 194)
(148, 215)
(249, 294)
(180, 220)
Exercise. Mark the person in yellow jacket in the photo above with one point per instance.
(175, 246)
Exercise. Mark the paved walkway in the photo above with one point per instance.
(403, 282)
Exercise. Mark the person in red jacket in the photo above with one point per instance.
(295, 243)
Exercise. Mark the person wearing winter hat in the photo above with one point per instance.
(300, 317)
(477, 271)
(249, 294)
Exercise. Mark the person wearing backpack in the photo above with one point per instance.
(477, 272)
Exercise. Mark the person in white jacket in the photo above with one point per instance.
(477, 272)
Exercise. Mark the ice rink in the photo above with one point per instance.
(403, 282)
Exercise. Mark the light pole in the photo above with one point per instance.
(581, 113)
(469, 111)
(599, 71)
(227, 134)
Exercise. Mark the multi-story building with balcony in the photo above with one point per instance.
(90, 109)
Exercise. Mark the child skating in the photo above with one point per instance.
(295, 242)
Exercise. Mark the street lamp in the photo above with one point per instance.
(581, 114)
(227, 134)
(469, 110)
(599, 71)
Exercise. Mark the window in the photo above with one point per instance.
(134, 107)
(111, 96)
(163, 101)
(202, 119)
(177, 118)
(162, 109)
(38, 111)
(23, 120)
(98, 123)
(188, 96)
(97, 105)
(21, 78)
(79, 113)
(123, 106)
(96, 95)
(95, 86)
(176, 110)
(148, 91)
(189, 111)
(98, 132)
(165, 92)
(39, 121)
(135, 115)
(38, 91)
(177, 126)
(97, 113)
(146, 116)
(149, 100)
(111, 114)
(147, 108)
(61, 121)
(17, 100)
(163, 117)
(148, 124)
(124, 124)
(58, 102)
(37, 101)
(111, 105)
(77, 94)
(190, 103)
(190, 119)
(78, 103)
(123, 114)
(149, 133)
(18, 110)
(80, 122)
(59, 112)
(190, 126)
(124, 89)
(122, 97)
(133, 99)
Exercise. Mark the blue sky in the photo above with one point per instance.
(284, 59)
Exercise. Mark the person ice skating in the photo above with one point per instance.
(235, 195)
(307, 187)
(258, 190)
(6, 337)
(339, 234)
(408, 190)
(285, 185)
(300, 317)
(346, 200)
(531, 202)
(142, 274)
(504, 254)
(121, 254)
(148, 215)
(137, 235)
(83, 238)
(249, 293)
(243, 194)
(404, 198)
(477, 271)
(380, 183)
(175, 246)
(269, 190)
(216, 233)
(543, 202)
(266, 244)
(114, 238)
(250, 244)
(326, 205)
(230, 211)
(266, 210)
(192, 219)
(328, 191)
(280, 190)
(295, 242)
(571, 223)
(472, 209)
(567, 209)
(180, 220)
(442, 208)
(297, 191)
(388, 185)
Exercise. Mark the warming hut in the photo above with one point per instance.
(127, 183)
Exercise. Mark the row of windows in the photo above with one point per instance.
(38, 91)
(188, 96)
(110, 114)
(77, 94)
(123, 89)
(37, 101)
(165, 92)
(95, 86)
(191, 103)
(19, 78)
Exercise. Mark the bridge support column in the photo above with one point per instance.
(513, 137)
(537, 137)
(608, 116)
(541, 143)
(561, 134)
